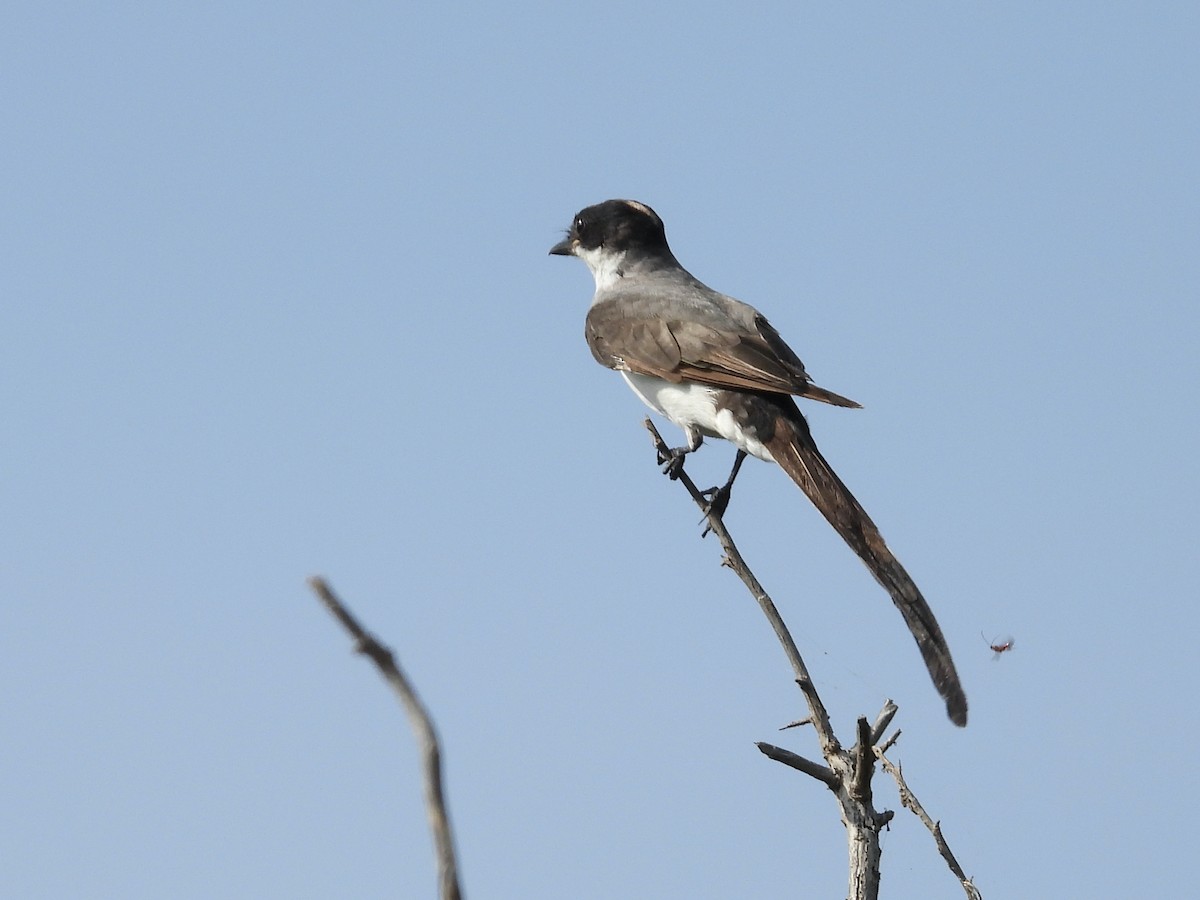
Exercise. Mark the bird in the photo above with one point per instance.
(715, 367)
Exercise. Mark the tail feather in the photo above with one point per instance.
(793, 448)
(812, 392)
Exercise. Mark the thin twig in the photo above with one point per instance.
(909, 801)
(733, 559)
(845, 774)
(887, 745)
(422, 725)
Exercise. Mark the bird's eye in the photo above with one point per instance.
(579, 225)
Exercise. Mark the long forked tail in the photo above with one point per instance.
(793, 448)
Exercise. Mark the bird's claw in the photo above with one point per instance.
(718, 502)
(672, 461)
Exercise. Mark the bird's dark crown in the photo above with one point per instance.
(620, 225)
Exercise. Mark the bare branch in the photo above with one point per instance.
(848, 773)
(822, 773)
(864, 764)
(887, 745)
(422, 725)
(733, 559)
(909, 800)
(883, 720)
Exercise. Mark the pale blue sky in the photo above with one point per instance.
(276, 301)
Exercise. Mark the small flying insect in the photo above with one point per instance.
(998, 646)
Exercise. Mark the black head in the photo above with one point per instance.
(620, 226)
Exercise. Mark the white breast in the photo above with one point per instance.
(693, 408)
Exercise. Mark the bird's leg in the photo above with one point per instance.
(672, 460)
(718, 497)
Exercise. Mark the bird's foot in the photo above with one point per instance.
(672, 461)
(718, 497)
(718, 502)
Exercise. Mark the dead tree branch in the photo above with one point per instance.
(422, 725)
(909, 801)
(847, 773)
(823, 774)
(733, 559)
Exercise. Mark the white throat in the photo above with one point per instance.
(605, 265)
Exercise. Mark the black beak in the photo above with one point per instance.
(562, 248)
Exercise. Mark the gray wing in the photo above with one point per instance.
(709, 346)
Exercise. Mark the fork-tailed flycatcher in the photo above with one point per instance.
(715, 367)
